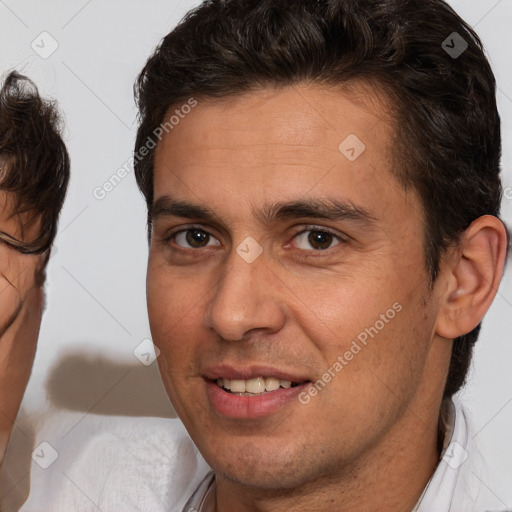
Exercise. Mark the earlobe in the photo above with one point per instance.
(473, 276)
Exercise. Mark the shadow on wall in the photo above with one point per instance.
(81, 382)
(95, 384)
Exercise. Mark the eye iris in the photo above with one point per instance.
(320, 239)
(197, 238)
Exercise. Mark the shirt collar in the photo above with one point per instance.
(203, 499)
(440, 490)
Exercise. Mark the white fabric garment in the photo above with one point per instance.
(123, 464)
(460, 482)
(115, 464)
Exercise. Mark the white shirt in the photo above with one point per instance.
(114, 464)
(460, 482)
(124, 464)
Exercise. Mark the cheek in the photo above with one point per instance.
(9, 303)
(371, 330)
(334, 311)
(175, 309)
(171, 299)
(32, 315)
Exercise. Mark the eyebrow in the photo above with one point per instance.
(327, 209)
(165, 206)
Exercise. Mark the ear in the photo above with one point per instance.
(472, 273)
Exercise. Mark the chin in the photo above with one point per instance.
(269, 468)
(265, 480)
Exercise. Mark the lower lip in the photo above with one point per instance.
(248, 407)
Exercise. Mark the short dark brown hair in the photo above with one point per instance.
(34, 162)
(447, 128)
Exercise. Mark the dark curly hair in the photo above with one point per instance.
(34, 162)
(447, 128)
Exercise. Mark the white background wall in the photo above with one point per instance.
(96, 312)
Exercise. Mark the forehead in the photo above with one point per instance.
(286, 143)
(299, 116)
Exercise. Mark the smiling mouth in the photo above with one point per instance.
(254, 387)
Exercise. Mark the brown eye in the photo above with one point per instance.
(197, 238)
(194, 238)
(316, 240)
(320, 239)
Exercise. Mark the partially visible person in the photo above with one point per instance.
(34, 174)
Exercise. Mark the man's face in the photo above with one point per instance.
(333, 271)
(21, 305)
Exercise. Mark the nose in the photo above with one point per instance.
(247, 299)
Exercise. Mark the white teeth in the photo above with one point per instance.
(271, 384)
(255, 386)
(238, 386)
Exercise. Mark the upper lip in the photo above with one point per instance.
(227, 371)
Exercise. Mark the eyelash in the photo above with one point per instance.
(304, 253)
